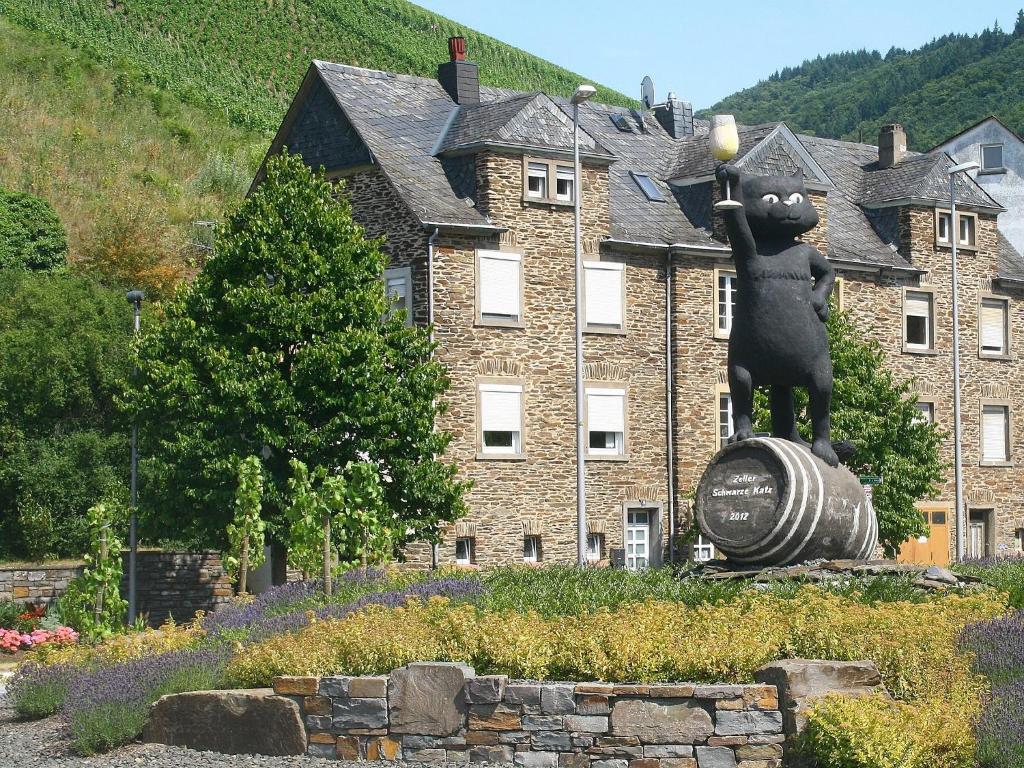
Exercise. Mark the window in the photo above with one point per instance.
(995, 433)
(564, 183)
(398, 286)
(703, 550)
(501, 419)
(606, 421)
(925, 412)
(464, 551)
(537, 180)
(918, 331)
(638, 539)
(648, 187)
(994, 332)
(603, 285)
(725, 302)
(622, 123)
(499, 278)
(531, 549)
(548, 181)
(978, 532)
(967, 226)
(595, 547)
(725, 425)
(991, 157)
(1018, 541)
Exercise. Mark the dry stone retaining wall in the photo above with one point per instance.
(445, 713)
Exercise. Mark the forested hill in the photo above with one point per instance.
(934, 91)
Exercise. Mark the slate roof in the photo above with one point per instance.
(414, 132)
(1009, 263)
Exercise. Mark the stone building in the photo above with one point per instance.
(472, 187)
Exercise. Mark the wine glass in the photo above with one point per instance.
(725, 143)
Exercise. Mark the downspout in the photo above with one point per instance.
(669, 381)
(435, 550)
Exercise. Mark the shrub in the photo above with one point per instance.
(1000, 729)
(38, 690)
(1004, 573)
(31, 235)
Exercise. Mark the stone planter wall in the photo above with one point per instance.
(433, 712)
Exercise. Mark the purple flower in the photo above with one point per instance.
(1000, 729)
(998, 647)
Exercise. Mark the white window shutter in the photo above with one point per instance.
(918, 305)
(993, 323)
(993, 431)
(603, 283)
(499, 283)
(606, 410)
(501, 408)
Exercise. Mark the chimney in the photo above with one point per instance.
(459, 77)
(892, 145)
(675, 116)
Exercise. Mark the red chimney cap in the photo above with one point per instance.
(457, 48)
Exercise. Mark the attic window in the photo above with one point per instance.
(651, 192)
(622, 123)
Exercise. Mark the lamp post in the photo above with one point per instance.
(958, 469)
(135, 299)
(583, 92)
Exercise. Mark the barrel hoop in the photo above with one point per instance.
(871, 539)
(852, 541)
(799, 459)
(817, 512)
(784, 458)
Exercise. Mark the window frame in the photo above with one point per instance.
(653, 194)
(551, 184)
(988, 521)
(610, 266)
(655, 544)
(722, 390)
(941, 213)
(1001, 168)
(606, 454)
(537, 556)
(1006, 405)
(484, 453)
(698, 546)
(493, 320)
(915, 349)
(405, 273)
(1005, 301)
(471, 547)
(719, 273)
(599, 537)
(931, 407)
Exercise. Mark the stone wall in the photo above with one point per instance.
(437, 713)
(169, 583)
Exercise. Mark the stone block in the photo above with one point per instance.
(360, 713)
(494, 717)
(729, 704)
(632, 690)
(347, 748)
(534, 759)
(319, 722)
(679, 762)
(560, 741)
(432, 742)
(573, 760)
(727, 741)
(645, 762)
(582, 741)
(287, 685)
(426, 756)
(482, 738)
(800, 682)
(616, 751)
(668, 750)
(321, 737)
(454, 756)
(428, 698)
(718, 691)
(368, 687)
(486, 689)
(542, 722)
(242, 722)
(557, 699)
(317, 705)
(522, 693)
(604, 689)
(715, 757)
(383, 748)
(586, 724)
(593, 704)
(612, 763)
(516, 738)
(662, 691)
(321, 750)
(773, 738)
(334, 687)
(662, 721)
(759, 752)
(496, 754)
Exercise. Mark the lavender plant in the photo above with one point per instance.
(38, 690)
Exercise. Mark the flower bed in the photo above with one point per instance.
(23, 630)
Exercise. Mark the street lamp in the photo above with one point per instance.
(958, 469)
(135, 299)
(583, 92)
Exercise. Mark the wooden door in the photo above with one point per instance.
(935, 549)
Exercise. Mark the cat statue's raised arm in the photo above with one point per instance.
(778, 337)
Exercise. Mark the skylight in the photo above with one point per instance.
(621, 123)
(651, 192)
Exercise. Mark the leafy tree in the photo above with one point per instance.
(64, 354)
(92, 603)
(1018, 27)
(872, 409)
(283, 347)
(31, 235)
(245, 532)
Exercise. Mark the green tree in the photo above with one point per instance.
(283, 347)
(64, 354)
(246, 531)
(31, 235)
(1018, 27)
(92, 603)
(874, 410)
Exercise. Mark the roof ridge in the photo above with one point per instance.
(378, 74)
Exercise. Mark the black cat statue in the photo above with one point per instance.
(778, 336)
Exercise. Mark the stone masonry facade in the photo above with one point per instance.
(445, 713)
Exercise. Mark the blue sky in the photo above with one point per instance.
(707, 50)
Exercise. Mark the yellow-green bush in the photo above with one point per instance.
(121, 648)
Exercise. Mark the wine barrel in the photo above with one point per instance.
(769, 501)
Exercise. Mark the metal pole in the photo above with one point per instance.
(958, 469)
(135, 297)
(581, 490)
(669, 435)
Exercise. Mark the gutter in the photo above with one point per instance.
(435, 550)
(461, 227)
(669, 384)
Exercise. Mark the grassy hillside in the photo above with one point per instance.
(934, 91)
(127, 167)
(246, 57)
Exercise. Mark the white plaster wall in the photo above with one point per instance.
(1006, 188)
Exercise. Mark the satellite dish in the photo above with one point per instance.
(647, 92)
